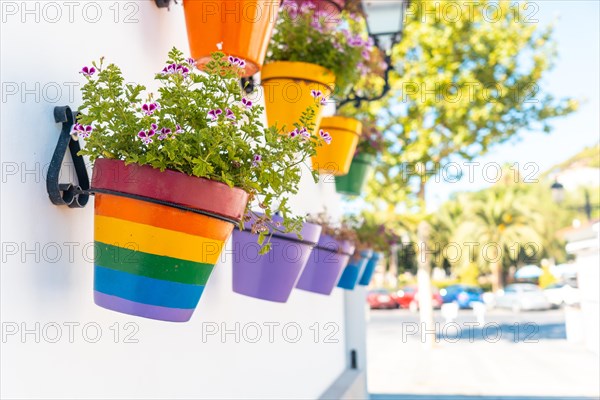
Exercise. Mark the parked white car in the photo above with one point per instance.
(560, 294)
(522, 296)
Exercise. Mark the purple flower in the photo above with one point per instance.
(292, 11)
(183, 70)
(304, 133)
(146, 136)
(154, 127)
(323, 101)
(178, 129)
(164, 133)
(307, 6)
(150, 108)
(365, 54)
(229, 114)
(325, 136)
(355, 42)
(316, 93)
(88, 71)
(169, 69)
(338, 46)
(256, 160)
(176, 69)
(191, 61)
(236, 62)
(82, 131)
(247, 103)
(214, 114)
(294, 133)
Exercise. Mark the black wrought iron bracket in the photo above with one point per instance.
(67, 194)
(164, 3)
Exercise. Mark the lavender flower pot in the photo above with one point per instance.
(354, 270)
(325, 265)
(271, 276)
(365, 279)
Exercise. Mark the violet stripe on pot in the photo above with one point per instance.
(176, 170)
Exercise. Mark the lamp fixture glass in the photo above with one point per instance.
(385, 21)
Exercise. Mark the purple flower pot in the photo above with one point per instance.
(354, 270)
(325, 265)
(365, 279)
(271, 276)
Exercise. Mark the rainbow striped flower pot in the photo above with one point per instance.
(157, 237)
(365, 279)
(354, 270)
(322, 272)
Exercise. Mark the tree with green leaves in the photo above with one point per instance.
(466, 81)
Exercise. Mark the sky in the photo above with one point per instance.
(576, 74)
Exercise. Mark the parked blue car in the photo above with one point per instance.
(462, 295)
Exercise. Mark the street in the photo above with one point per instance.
(512, 356)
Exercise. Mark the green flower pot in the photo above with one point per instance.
(354, 183)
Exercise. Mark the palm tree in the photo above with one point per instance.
(501, 220)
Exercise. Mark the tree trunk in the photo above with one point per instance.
(424, 288)
(496, 268)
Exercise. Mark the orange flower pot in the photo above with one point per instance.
(335, 158)
(287, 89)
(244, 28)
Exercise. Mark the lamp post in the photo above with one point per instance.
(385, 22)
(558, 195)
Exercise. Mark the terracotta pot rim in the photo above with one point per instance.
(169, 187)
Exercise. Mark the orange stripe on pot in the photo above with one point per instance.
(287, 89)
(160, 216)
(158, 241)
(335, 158)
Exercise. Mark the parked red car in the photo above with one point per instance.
(381, 298)
(407, 298)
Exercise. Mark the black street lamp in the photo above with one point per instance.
(385, 22)
(558, 195)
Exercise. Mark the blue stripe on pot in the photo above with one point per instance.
(146, 290)
(354, 270)
(370, 269)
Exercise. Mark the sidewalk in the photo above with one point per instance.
(545, 366)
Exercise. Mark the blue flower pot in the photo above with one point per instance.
(354, 270)
(370, 269)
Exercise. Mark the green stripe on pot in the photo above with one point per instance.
(151, 265)
(354, 183)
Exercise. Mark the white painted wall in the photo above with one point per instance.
(46, 274)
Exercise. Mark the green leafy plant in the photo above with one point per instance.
(340, 231)
(372, 235)
(199, 124)
(307, 35)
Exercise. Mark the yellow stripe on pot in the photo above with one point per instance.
(287, 89)
(335, 158)
(158, 241)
